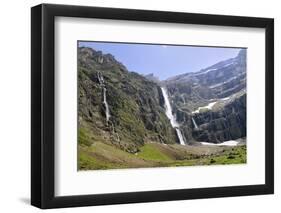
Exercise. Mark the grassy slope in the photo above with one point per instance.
(105, 156)
(102, 155)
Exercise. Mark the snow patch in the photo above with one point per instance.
(209, 106)
(225, 99)
(228, 64)
(226, 143)
(229, 80)
(209, 70)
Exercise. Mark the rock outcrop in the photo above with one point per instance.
(223, 124)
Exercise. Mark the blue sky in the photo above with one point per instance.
(163, 61)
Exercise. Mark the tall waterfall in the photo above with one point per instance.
(101, 81)
(171, 117)
(194, 123)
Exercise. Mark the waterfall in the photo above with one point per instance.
(100, 78)
(107, 114)
(194, 123)
(101, 81)
(171, 117)
(180, 136)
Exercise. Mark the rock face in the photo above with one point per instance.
(215, 98)
(135, 104)
(223, 124)
(127, 110)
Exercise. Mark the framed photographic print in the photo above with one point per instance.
(139, 106)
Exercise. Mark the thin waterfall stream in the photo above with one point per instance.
(101, 81)
(194, 123)
(107, 114)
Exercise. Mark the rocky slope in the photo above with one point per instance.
(118, 107)
(127, 110)
(225, 121)
(212, 101)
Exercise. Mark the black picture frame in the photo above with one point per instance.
(43, 105)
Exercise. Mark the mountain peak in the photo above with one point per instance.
(152, 77)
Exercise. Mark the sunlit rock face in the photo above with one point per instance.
(214, 100)
(127, 109)
(120, 107)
